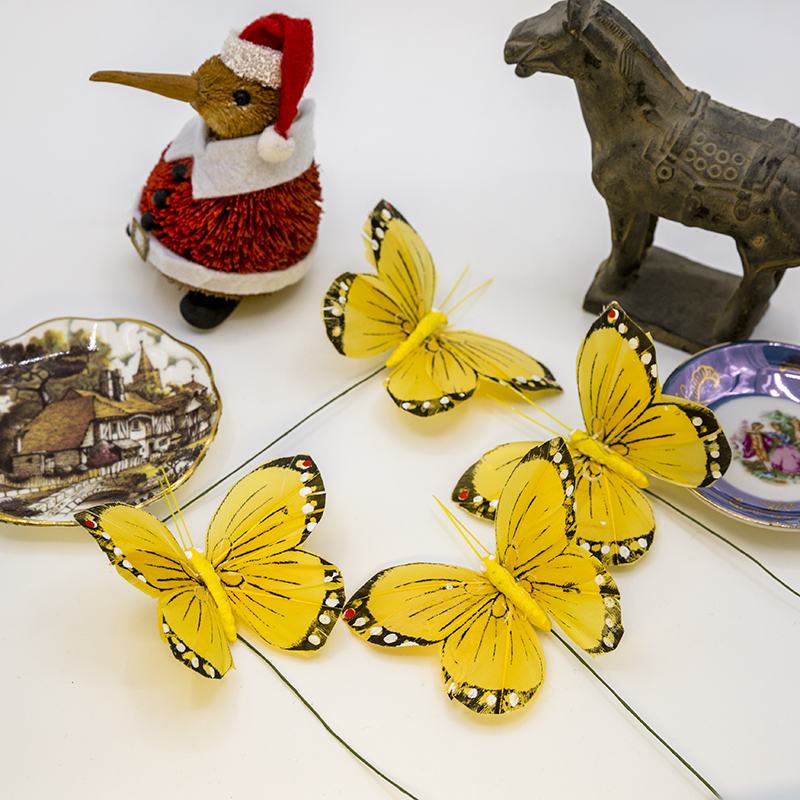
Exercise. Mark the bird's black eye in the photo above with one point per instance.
(242, 98)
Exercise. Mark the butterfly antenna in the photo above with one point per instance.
(470, 539)
(456, 285)
(470, 294)
(542, 411)
(525, 416)
(169, 496)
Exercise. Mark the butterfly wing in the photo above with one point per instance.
(416, 604)
(192, 627)
(478, 489)
(497, 361)
(431, 379)
(361, 318)
(673, 439)
(444, 371)
(615, 518)
(534, 527)
(367, 314)
(491, 658)
(402, 260)
(146, 554)
(138, 545)
(291, 598)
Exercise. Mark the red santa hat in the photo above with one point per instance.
(275, 51)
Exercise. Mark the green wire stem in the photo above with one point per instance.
(278, 438)
(636, 716)
(323, 723)
(723, 539)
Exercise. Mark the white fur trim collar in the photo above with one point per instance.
(233, 166)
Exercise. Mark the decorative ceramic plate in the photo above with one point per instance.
(92, 410)
(754, 389)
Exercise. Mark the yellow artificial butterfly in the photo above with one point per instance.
(484, 624)
(630, 430)
(433, 368)
(253, 569)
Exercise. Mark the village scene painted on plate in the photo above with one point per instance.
(91, 411)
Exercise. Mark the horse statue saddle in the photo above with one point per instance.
(714, 157)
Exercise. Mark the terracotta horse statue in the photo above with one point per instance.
(661, 149)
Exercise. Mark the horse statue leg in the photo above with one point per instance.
(751, 298)
(631, 237)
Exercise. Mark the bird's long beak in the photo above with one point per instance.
(178, 87)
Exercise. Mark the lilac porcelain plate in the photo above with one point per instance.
(92, 411)
(754, 389)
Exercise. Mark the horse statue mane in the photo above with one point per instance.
(661, 149)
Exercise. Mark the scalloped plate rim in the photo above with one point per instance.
(8, 518)
(709, 495)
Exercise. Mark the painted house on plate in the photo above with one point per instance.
(119, 426)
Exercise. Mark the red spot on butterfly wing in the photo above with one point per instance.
(463, 494)
(349, 614)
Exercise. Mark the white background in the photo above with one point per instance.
(415, 104)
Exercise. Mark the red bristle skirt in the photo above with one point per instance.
(262, 231)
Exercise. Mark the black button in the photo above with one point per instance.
(179, 171)
(160, 198)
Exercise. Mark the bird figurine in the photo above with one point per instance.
(232, 208)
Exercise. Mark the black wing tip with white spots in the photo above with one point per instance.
(358, 616)
(428, 407)
(483, 700)
(187, 656)
(637, 338)
(92, 520)
(612, 626)
(612, 630)
(332, 606)
(383, 212)
(465, 496)
(618, 553)
(378, 222)
(557, 453)
(93, 514)
(333, 308)
(546, 382)
(717, 447)
(313, 486)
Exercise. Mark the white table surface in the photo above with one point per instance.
(415, 104)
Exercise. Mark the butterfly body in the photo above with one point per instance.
(434, 368)
(209, 578)
(631, 432)
(253, 570)
(427, 326)
(484, 624)
(589, 447)
(507, 585)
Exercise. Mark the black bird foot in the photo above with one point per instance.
(206, 311)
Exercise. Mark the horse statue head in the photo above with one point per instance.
(583, 40)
